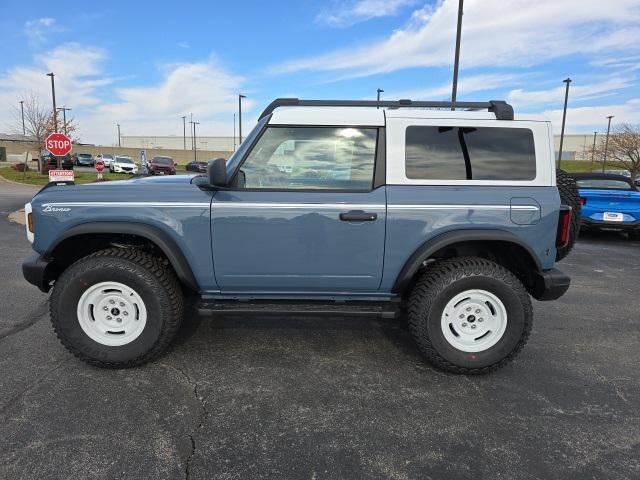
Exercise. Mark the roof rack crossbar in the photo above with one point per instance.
(501, 109)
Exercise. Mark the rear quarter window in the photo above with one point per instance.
(469, 153)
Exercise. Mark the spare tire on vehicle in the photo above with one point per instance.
(569, 196)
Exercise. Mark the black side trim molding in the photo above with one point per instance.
(163, 241)
(428, 248)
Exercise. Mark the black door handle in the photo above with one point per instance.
(358, 216)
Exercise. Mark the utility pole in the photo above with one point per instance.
(191, 130)
(564, 117)
(234, 132)
(24, 130)
(195, 147)
(64, 111)
(606, 143)
(593, 149)
(456, 62)
(240, 97)
(184, 132)
(55, 111)
(119, 143)
(379, 91)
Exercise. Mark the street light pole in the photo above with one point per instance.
(593, 149)
(64, 111)
(564, 117)
(240, 97)
(606, 143)
(184, 132)
(195, 145)
(456, 62)
(24, 130)
(53, 96)
(378, 97)
(234, 132)
(119, 142)
(55, 112)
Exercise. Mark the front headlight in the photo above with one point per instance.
(28, 214)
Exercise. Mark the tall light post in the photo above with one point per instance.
(456, 62)
(593, 149)
(53, 96)
(564, 117)
(234, 132)
(24, 130)
(195, 147)
(119, 142)
(606, 143)
(55, 111)
(64, 111)
(240, 97)
(184, 132)
(379, 91)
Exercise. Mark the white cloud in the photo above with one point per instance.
(204, 89)
(589, 119)
(466, 85)
(495, 33)
(521, 98)
(38, 29)
(342, 14)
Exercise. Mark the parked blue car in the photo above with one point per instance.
(609, 202)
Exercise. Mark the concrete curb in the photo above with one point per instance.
(17, 217)
(19, 183)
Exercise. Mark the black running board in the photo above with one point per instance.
(289, 307)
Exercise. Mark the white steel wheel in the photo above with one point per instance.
(112, 313)
(474, 320)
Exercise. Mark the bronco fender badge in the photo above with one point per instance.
(49, 208)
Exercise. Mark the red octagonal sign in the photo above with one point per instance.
(58, 144)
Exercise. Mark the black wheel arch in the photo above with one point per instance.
(441, 242)
(150, 233)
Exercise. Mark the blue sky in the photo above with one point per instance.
(145, 64)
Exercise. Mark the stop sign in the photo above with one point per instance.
(58, 144)
(99, 165)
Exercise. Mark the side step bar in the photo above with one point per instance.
(256, 307)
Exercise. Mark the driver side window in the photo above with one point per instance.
(299, 158)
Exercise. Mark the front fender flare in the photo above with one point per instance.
(160, 238)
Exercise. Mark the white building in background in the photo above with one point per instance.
(573, 147)
(175, 142)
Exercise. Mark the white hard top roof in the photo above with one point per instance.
(371, 116)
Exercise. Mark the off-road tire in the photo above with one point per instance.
(151, 277)
(443, 280)
(569, 196)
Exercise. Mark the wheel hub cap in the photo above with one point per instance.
(112, 313)
(474, 320)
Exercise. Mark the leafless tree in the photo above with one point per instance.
(623, 149)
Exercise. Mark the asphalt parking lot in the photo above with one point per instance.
(328, 398)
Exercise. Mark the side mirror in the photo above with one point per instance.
(217, 172)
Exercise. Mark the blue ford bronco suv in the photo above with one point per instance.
(449, 218)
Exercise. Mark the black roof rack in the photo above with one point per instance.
(502, 109)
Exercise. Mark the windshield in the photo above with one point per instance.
(84, 155)
(123, 160)
(162, 160)
(108, 156)
(603, 183)
(234, 159)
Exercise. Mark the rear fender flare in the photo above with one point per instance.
(422, 253)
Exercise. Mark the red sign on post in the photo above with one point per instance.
(58, 144)
(100, 165)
